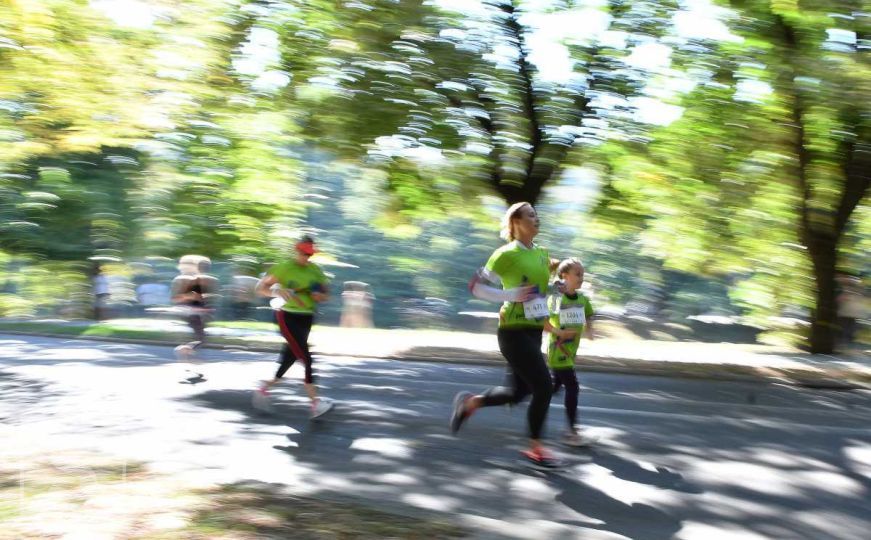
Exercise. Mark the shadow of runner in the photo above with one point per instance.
(630, 520)
(240, 401)
(632, 471)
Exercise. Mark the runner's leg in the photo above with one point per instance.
(569, 379)
(522, 350)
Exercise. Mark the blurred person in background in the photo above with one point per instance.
(518, 274)
(297, 286)
(356, 305)
(193, 291)
(242, 296)
(570, 316)
(100, 285)
(150, 294)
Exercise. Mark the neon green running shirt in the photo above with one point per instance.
(303, 279)
(515, 265)
(567, 313)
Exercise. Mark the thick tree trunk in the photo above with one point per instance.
(512, 193)
(824, 318)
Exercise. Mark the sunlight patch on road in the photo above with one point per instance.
(625, 491)
(430, 502)
(859, 458)
(777, 483)
(721, 531)
(398, 479)
(394, 448)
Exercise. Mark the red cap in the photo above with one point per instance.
(306, 247)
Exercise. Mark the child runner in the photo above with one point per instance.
(571, 314)
(298, 286)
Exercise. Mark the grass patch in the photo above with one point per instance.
(256, 510)
(105, 330)
(42, 327)
(85, 330)
(246, 325)
(83, 494)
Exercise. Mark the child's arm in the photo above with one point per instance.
(588, 331)
(559, 332)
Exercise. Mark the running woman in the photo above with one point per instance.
(193, 290)
(571, 314)
(518, 274)
(298, 285)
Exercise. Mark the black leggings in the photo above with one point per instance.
(527, 374)
(198, 325)
(568, 378)
(295, 328)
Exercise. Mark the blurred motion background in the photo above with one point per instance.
(709, 161)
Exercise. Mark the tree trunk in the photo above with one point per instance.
(527, 192)
(824, 318)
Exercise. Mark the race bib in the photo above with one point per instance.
(572, 317)
(535, 308)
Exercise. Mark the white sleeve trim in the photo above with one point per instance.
(490, 276)
(481, 290)
(494, 294)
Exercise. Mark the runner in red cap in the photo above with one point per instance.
(297, 286)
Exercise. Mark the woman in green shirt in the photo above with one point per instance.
(298, 285)
(519, 273)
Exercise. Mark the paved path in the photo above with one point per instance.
(721, 361)
(678, 458)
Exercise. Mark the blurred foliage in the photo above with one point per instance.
(700, 156)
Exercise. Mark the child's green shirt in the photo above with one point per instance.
(567, 312)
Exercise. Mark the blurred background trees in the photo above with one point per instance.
(703, 158)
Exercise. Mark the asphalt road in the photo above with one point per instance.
(677, 458)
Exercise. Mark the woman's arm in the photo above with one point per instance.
(480, 289)
(264, 287)
(320, 294)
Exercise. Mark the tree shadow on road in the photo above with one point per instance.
(373, 450)
(20, 393)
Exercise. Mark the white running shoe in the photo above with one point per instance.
(183, 353)
(261, 401)
(578, 439)
(321, 407)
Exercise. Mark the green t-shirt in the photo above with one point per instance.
(303, 279)
(515, 265)
(567, 313)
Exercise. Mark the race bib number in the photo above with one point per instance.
(535, 308)
(572, 317)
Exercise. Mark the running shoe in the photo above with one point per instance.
(460, 415)
(577, 439)
(320, 407)
(261, 401)
(183, 352)
(541, 459)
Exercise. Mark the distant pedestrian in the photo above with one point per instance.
(193, 291)
(101, 293)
